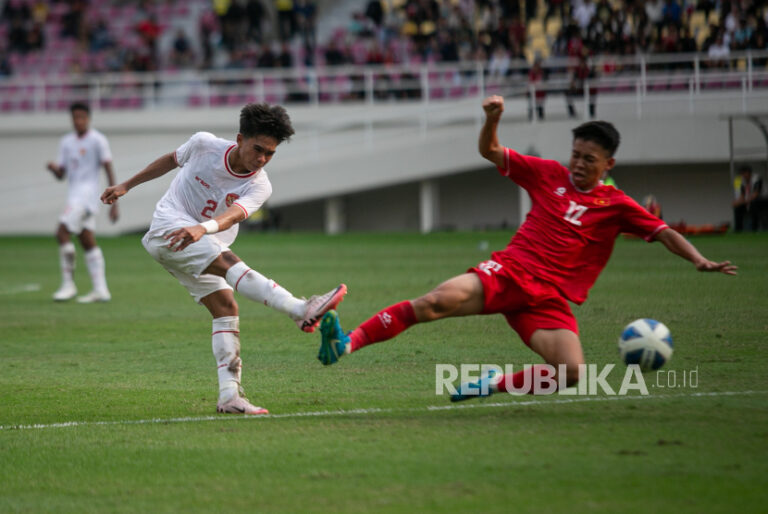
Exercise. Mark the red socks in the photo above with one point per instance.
(523, 379)
(384, 325)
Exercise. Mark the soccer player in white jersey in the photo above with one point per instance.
(81, 154)
(222, 183)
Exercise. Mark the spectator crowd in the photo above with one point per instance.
(121, 35)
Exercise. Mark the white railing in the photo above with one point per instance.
(638, 77)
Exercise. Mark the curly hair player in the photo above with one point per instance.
(222, 183)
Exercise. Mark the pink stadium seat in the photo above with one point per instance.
(436, 84)
(273, 90)
(325, 85)
(129, 12)
(235, 99)
(359, 51)
(711, 84)
(625, 87)
(57, 45)
(57, 9)
(164, 12)
(62, 105)
(492, 89)
(678, 84)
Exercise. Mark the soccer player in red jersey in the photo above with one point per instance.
(554, 257)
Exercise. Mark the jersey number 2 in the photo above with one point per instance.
(574, 213)
(211, 207)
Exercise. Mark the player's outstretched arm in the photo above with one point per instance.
(183, 237)
(58, 171)
(157, 168)
(114, 213)
(488, 145)
(679, 245)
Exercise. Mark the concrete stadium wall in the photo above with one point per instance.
(373, 158)
(482, 199)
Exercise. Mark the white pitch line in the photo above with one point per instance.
(342, 412)
(24, 288)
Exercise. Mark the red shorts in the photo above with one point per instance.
(527, 302)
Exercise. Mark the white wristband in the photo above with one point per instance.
(210, 226)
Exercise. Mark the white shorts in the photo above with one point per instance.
(188, 265)
(77, 218)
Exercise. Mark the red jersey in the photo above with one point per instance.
(569, 234)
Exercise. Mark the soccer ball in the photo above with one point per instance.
(647, 343)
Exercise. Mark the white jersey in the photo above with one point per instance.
(81, 158)
(206, 186)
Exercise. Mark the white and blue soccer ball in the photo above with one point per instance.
(647, 343)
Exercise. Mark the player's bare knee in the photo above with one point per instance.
(423, 307)
(221, 305)
(62, 235)
(230, 258)
(432, 306)
(87, 239)
(229, 307)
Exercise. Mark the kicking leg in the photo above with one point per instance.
(225, 341)
(255, 286)
(459, 296)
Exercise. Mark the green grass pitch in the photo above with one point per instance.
(147, 355)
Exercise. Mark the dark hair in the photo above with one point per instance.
(80, 106)
(600, 132)
(265, 120)
(745, 168)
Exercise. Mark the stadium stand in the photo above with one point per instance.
(123, 54)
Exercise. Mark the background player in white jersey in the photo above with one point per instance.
(222, 183)
(81, 154)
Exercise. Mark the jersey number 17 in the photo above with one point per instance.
(574, 212)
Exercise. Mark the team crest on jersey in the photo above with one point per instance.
(604, 202)
(231, 197)
(560, 191)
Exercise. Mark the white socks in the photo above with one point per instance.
(255, 286)
(226, 331)
(226, 351)
(67, 262)
(95, 261)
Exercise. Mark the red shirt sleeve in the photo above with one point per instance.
(524, 170)
(638, 221)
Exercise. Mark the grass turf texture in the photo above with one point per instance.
(147, 355)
